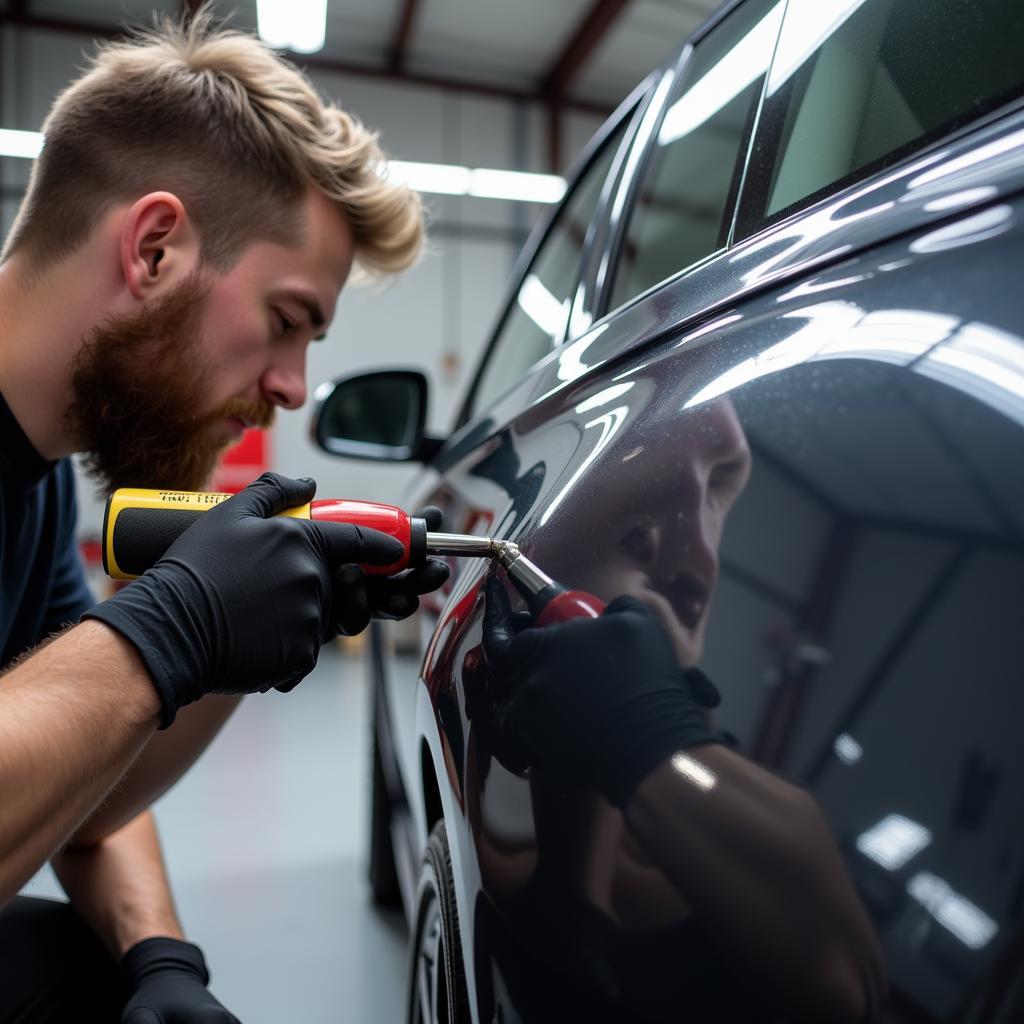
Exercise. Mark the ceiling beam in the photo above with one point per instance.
(403, 30)
(593, 27)
(98, 30)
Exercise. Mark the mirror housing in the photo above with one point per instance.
(378, 416)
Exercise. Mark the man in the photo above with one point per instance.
(188, 227)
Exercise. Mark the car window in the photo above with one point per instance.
(536, 320)
(857, 85)
(682, 209)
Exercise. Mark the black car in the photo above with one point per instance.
(763, 368)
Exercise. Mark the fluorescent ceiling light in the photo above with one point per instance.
(296, 25)
(442, 179)
(26, 145)
(741, 66)
(894, 841)
(971, 925)
(530, 188)
(483, 182)
(847, 749)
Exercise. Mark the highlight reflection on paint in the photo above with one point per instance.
(697, 773)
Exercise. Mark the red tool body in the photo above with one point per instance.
(410, 530)
(549, 602)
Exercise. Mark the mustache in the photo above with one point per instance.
(256, 411)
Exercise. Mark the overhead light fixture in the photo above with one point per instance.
(518, 185)
(894, 841)
(482, 182)
(26, 145)
(847, 749)
(969, 923)
(296, 25)
(442, 179)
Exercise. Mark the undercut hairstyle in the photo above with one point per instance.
(237, 133)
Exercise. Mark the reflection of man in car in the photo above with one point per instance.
(665, 547)
(615, 704)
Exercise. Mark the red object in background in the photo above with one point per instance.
(92, 552)
(242, 463)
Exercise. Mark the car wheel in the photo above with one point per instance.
(437, 982)
(383, 874)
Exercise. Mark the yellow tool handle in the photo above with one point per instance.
(139, 525)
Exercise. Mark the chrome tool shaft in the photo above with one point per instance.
(462, 544)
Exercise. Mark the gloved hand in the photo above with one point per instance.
(241, 602)
(168, 979)
(360, 597)
(596, 702)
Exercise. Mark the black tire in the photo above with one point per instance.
(382, 872)
(437, 980)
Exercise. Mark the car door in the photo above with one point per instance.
(803, 450)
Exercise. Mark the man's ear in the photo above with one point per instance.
(159, 245)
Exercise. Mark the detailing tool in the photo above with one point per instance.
(547, 600)
(139, 525)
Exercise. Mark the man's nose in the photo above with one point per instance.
(284, 381)
(690, 537)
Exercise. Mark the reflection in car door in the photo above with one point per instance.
(833, 533)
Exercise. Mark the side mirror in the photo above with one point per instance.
(377, 416)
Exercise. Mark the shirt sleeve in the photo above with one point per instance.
(70, 595)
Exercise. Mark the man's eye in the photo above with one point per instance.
(284, 325)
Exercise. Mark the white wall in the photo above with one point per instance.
(438, 315)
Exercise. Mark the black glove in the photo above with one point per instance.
(596, 702)
(168, 979)
(360, 597)
(241, 602)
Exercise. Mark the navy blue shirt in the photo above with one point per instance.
(42, 583)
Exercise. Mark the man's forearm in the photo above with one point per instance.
(753, 857)
(168, 755)
(73, 717)
(119, 886)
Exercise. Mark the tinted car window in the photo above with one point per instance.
(682, 210)
(856, 85)
(536, 321)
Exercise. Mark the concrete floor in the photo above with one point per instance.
(265, 843)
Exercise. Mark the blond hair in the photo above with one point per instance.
(236, 132)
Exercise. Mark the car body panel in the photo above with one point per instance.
(548, 474)
(901, 284)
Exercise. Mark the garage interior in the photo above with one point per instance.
(289, 932)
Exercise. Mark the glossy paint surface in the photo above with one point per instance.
(805, 454)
